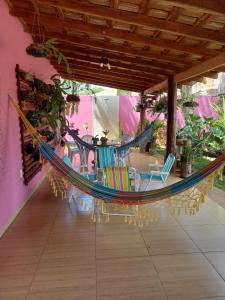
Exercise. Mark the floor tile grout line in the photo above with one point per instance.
(163, 287)
(203, 253)
(44, 247)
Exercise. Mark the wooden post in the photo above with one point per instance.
(142, 114)
(171, 115)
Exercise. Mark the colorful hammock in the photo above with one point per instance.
(145, 135)
(112, 195)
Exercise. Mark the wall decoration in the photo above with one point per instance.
(33, 94)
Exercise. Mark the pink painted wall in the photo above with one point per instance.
(85, 115)
(13, 42)
(128, 118)
(205, 106)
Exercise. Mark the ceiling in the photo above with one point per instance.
(144, 40)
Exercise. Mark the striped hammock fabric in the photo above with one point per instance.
(118, 178)
(113, 195)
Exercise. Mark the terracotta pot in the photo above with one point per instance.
(104, 141)
(73, 98)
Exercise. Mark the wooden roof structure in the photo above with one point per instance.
(145, 41)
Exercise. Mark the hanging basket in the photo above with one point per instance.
(72, 98)
(38, 50)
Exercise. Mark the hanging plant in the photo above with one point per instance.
(48, 49)
(72, 105)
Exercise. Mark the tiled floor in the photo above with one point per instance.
(55, 252)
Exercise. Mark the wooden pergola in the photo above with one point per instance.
(151, 45)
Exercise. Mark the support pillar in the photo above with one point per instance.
(142, 114)
(171, 116)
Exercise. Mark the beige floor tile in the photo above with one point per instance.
(217, 259)
(168, 240)
(16, 276)
(208, 237)
(188, 276)
(14, 293)
(20, 255)
(121, 252)
(119, 241)
(128, 278)
(82, 277)
(63, 294)
(201, 218)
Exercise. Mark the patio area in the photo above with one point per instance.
(56, 251)
(154, 57)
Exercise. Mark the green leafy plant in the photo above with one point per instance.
(187, 155)
(160, 106)
(187, 99)
(53, 109)
(48, 49)
(105, 132)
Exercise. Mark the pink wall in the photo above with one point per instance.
(13, 42)
(85, 115)
(205, 106)
(128, 118)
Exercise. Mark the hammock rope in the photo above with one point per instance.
(147, 134)
(116, 196)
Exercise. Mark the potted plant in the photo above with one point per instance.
(104, 138)
(139, 107)
(95, 140)
(48, 49)
(73, 102)
(160, 106)
(186, 161)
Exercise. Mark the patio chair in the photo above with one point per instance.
(121, 179)
(72, 148)
(158, 175)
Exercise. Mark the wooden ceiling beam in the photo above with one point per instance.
(81, 27)
(200, 70)
(114, 71)
(102, 82)
(205, 6)
(118, 66)
(110, 77)
(161, 68)
(107, 74)
(140, 20)
(154, 55)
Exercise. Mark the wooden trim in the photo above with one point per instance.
(194, 72)
(171, 116)
(153, 55)
(139, 20)
(104, 74)
(132, 75)
(205, 6)
(76, 26)
(162, 68)
(119, 66)
(104, 82)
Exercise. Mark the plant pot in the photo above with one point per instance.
(186, 169)
(38, 50)
(40, 97)
(104, 141)
(73, 98)
(44, 121)
(95, 141)
(28, 96)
